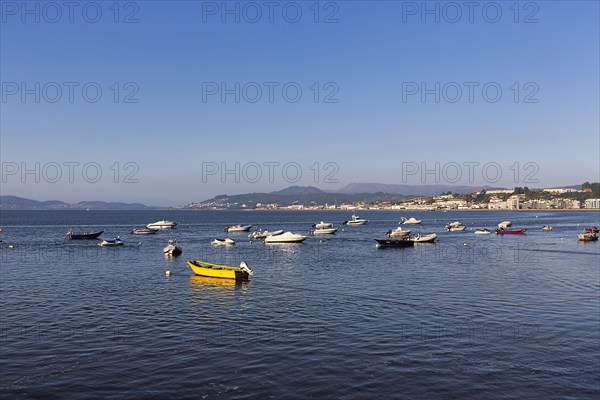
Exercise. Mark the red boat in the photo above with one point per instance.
(518, 231)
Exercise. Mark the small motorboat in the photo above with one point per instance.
(83, 236)
(286, 237)
(398, 232)
(547, 228)
(172, 249)
(418, 238)
(202, 268)
(162, 225)
(223, 242)
(386, 243)
(322, 225)
(356, 220)
(483, 231)
(237, 228)
(144, 231)
(410, 221)
(587, 237)
(504, 224)
(518, 231)
(455, 227)
(324, 231)
(111, 243)
(257, 235)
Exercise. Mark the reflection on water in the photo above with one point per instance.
(203, 288)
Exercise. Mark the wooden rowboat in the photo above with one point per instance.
(202, 268)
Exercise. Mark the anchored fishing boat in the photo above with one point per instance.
(324, 231)
(162, 225)
(111, 243)
(144, 231)
(322, 225)
(287, 237)
(418, 238)
(356, 220)
(257, 235)
(223, 242)
(385, 243)
(518, 231)
(237, 228)
(172, 249)
(587, 237)
(483, 231)
(83, 236)
(202, 268)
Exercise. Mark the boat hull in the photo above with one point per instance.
(324, 231)
(396, 243)
(511, 231)
(146, 231)
(85, 236)
(218, 271)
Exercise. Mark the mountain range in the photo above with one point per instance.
(20, 203)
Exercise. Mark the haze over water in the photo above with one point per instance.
(502, 317)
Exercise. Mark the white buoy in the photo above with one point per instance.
(10, 246)
(168, 273)
(464, 244)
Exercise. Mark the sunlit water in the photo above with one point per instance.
(470, 316)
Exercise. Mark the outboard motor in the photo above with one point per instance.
(244, 267)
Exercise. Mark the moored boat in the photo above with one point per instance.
(323, 225)
(287, 237)
(237, 228)
(256, 235)
(385, 243)
(202, 268)
(518, 231)
(111, 243)
(418, 238)
(587, 237)
(144, 231)
(324, 231)
(455, 227)
(356, 220)
(504, 224)
(483, 231)
(223, 242)
(162, 225)
(172, 249)
(83, 236)
(398, 232)
(410, 221)
(547, 228)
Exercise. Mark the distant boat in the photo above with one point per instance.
(324, 231)
(410, 221)
(84, 235)
(356, 220)
(455, 227)
(287, 237)
(237, 228)
(504, 224)
(162, 225)
(111, 243)
(202, 268)
(172, 249)
(518, 231)
(547, 228)
(398, 232)
(423, 238)
(587, 237)
(385, 243)
(144, 231)
(323, 225)
(223, 242)
(256, 235)
(483, 231)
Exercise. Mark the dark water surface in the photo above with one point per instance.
(500, 317)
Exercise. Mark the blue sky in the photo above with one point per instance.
(367, 123)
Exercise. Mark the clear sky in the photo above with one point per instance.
(388, 89)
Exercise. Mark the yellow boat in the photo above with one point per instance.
(203, 268)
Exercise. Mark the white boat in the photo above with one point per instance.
(547, 228)
(263, 234)
(111, 243)
(237, 228)
(410, 221)
(424, 238)
(162, 225)
(398, 232)
(324, 231)
(356, 220)
(223, 242)
(287, 237)
(455, 227)
(504, 224)
(323, 225)
(172, 249)
(483, 231)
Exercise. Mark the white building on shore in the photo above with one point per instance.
(592, 203)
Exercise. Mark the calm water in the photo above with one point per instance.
(502, 317)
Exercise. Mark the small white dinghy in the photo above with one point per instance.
(418, 238)
(287, 237)
(324, 231)
(223, 242)
(111, 243)
(483, 231)
(410, 221)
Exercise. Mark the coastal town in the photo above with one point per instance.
(519, 198)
